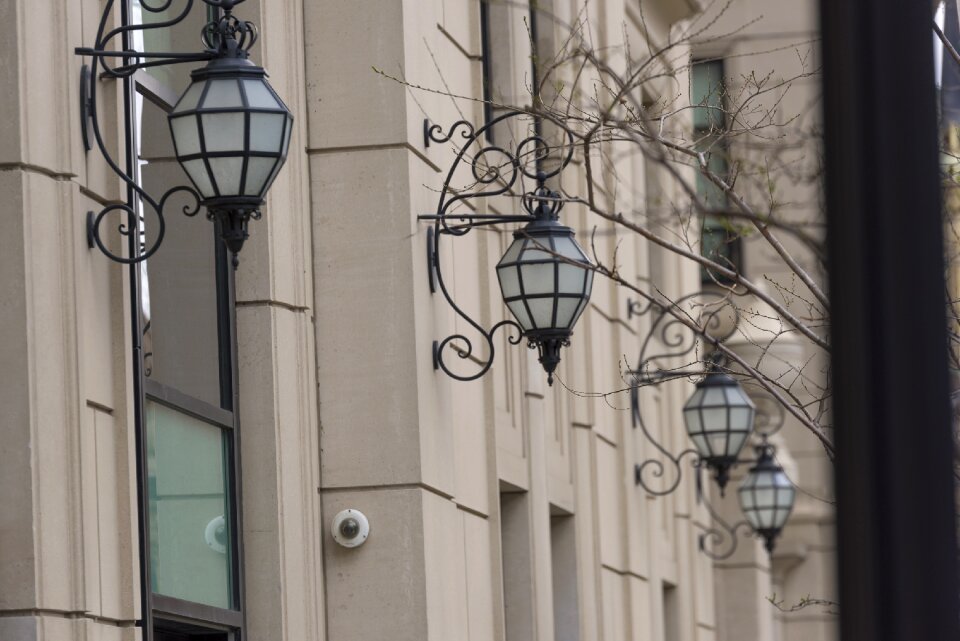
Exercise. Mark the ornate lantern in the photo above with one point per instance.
(545, 279)
(231, 132)
(719, 417)
(767, 496)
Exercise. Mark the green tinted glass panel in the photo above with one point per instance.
(712, 196)
(707, 94)
(190, 538)
(720, 243)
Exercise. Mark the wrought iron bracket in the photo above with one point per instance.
(219, 35)
(677, 332)
(494, 171)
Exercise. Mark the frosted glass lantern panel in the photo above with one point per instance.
(764, 496)
(785, 495)
(267, 132)
(713, 396)
(719, 444)
(701, 444)
(513, 252)
(223, 94)
(519, 311)
(567, 247)
(537, 278)
(226, 173)
(571, 279)
(186, 136)
(258, 96)
(223, 132)
(567, 311)
(736, 396)
(286, 136)
(714, 418)
(741, 418)
(197, 170)
(542, 311)
(694, 400)
(258, 172)
(509, 281)
(534, 250)
(191, 97)
(737, 439)
(762, 518)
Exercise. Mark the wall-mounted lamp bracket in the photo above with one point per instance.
(495, 171)
(224, 36)
(693, 328)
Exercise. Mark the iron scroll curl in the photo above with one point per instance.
(681, 334)
(692, 330)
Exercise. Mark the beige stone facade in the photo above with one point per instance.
(500, 509)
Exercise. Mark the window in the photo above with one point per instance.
(671, 613)
(187, 425)
(506, 29)
(563, 553)
(720, 240)
(516, 565)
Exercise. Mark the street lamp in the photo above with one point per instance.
(719, 418)
(545, 277)
(231, 132)
(767, 496)
(230, 129)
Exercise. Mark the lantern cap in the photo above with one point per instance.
(765, 461)
(767, 495)
(718, 379)
(541, 227)
(233, 67)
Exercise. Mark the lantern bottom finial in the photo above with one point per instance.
(549, 349)
(233, 226)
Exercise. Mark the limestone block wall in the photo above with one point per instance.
(500, 508)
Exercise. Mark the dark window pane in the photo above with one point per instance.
(181, 339)
(720, 243)
(180, 631)
(707, 94)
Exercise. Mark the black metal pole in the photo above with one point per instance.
(895, 491)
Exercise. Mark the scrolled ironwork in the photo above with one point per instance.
(465, 351)
(692, 329)
(718, 541)
(657, 468)
(771, 414)
(681, 333)
(496, 171)
(133, 223)
(222, 36)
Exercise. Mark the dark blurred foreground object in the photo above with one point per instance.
(895, 490)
